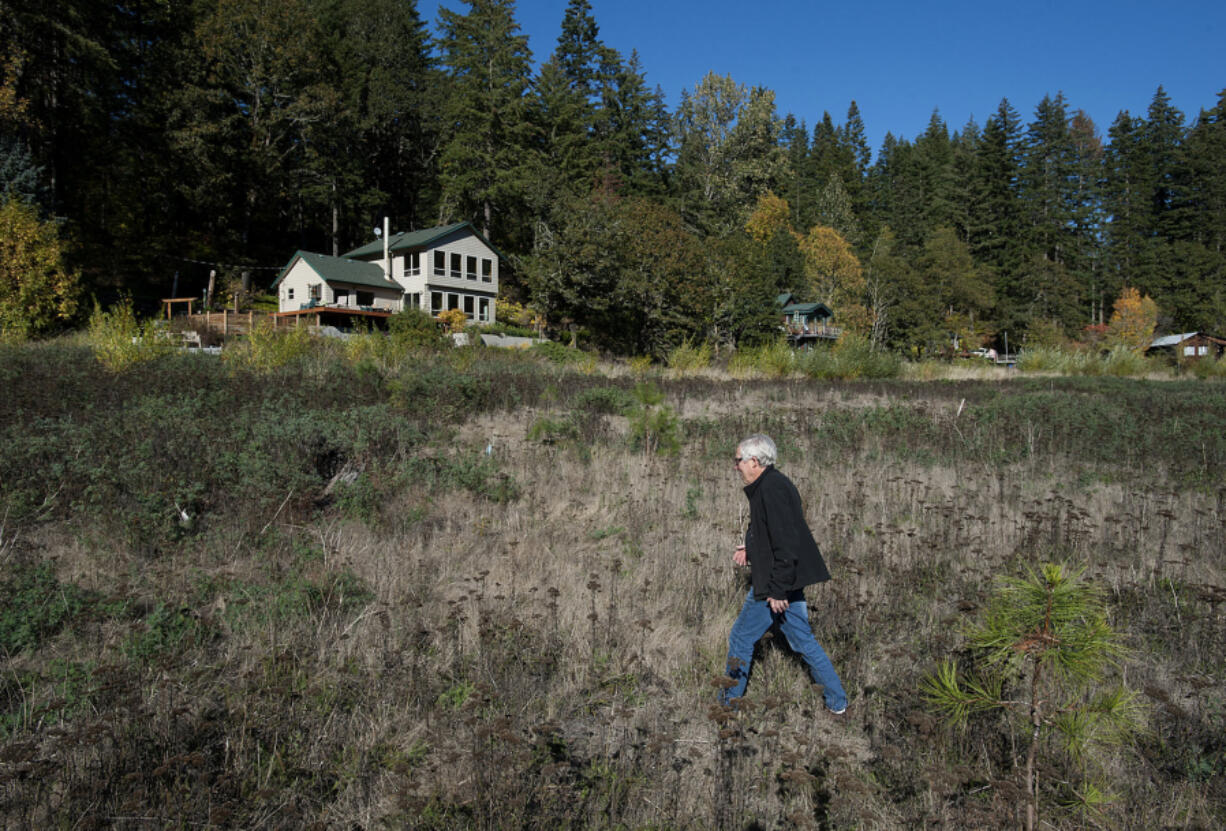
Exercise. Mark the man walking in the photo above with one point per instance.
(783, 558)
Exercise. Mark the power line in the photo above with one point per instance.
(228, 265)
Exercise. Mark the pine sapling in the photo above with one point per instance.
(1043, 650)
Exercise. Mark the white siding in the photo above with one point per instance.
(466, 245)
(299, 279)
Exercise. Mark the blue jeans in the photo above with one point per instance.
(755, 618)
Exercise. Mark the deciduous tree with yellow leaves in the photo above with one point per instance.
(1133, 321)
(36, 290)
(836, 277)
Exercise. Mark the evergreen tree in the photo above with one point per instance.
(834, 210)
(1085, 212)
(794, 138)
(996, 224)
(635, 125)
(956, 285)
(935, 171)
(579, 51)
(486, 158)
(566, 166)
(1203, 191)
(965, 149)
(568, 109)
(377, 155)
(1143, 187)
(1051, 284)
(244, 122)
(1044, 179)
(1042, 651)
(19, 175)
(855, 139)
(830, 152)
(1126, 201)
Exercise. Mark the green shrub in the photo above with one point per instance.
(605, 400)
(164, 631)
(1041, 359)
(654, 426)
(688, 357)
(852, 357)
(36, 606)
(474, 472)
(772, 360)
(557, 353)
(552, 430)
(506, 329)
(1123, 362)
(268, 347)
(1120, 362)
(119, 340)
(415, 329)
(1208, 367)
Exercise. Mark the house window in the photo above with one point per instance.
(412, 301)
(453, 301)
(483, 313)
(1189, 351)
(366, 298)
(468, 306)
(440, 264)
(487, 270)
(289, 295)
(342, 297)
(470, 270)
(436, 302)
(316, 291)
(412, 262)
(455, 266)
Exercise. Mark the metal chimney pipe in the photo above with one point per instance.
(387, 260)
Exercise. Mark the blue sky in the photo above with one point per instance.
(901, 60)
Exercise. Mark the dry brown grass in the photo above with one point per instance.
(549, 662)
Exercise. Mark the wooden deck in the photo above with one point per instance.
(808, 334)
(330, 316)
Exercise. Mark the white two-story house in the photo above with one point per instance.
(434, 269)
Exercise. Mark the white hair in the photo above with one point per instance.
(759, 447)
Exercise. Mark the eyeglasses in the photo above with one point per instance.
(736, 460)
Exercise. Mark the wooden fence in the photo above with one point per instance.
(228, 322)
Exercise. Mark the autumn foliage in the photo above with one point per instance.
(454, 319)
(1132, 321)
(36, 291)
(770, 216)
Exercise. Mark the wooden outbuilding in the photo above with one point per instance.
(1189, 346)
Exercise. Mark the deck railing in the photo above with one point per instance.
(831, 332)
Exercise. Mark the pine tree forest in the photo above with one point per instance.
(169, 138)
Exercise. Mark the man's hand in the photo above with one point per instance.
(739, 557)
(777, 606)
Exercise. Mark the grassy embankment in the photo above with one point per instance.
(298, 590)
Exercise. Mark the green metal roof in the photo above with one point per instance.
(807, 308)
(409, 240)
(340, 270)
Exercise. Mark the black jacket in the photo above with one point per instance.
(783, 556)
